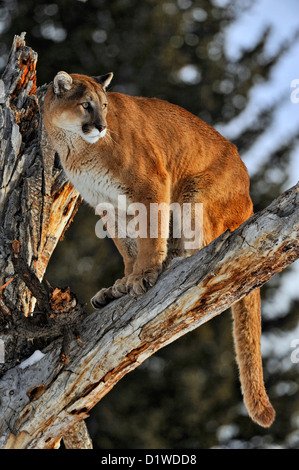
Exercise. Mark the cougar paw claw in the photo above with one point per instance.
(119, 288)
(139, 283)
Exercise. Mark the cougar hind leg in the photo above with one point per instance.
(128, 250)
(247, 334)
(185, 236)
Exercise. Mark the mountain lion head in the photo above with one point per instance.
(80, 104)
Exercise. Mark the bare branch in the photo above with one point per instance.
(122, 335)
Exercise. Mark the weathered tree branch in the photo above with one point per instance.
(49, 399)
(45, 400)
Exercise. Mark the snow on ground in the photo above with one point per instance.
(35, 357)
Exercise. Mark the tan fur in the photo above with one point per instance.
(154, 151)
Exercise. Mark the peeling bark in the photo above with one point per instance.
(37, 202)
(45, 400)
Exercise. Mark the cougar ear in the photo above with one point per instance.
(62, 82)
(104, 80)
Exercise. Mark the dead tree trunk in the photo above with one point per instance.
(37, 203)
(41, 400)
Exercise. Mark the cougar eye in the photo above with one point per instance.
(85, 105)
(104, 106)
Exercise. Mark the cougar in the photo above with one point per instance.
(154, 152)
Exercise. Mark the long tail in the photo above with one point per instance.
(247, 334)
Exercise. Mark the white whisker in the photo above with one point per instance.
(109, 136)
(113, 132)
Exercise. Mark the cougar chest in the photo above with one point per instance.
(96, 186)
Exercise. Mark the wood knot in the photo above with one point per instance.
(35, 392)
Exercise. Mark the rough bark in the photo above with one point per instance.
(37, 203)
(47, 398)
(77, 437)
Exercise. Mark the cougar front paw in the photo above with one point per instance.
(106, 295)
(103, 297)
(119, 288)
(138, 283)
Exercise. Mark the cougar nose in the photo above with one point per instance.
(100, 127)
